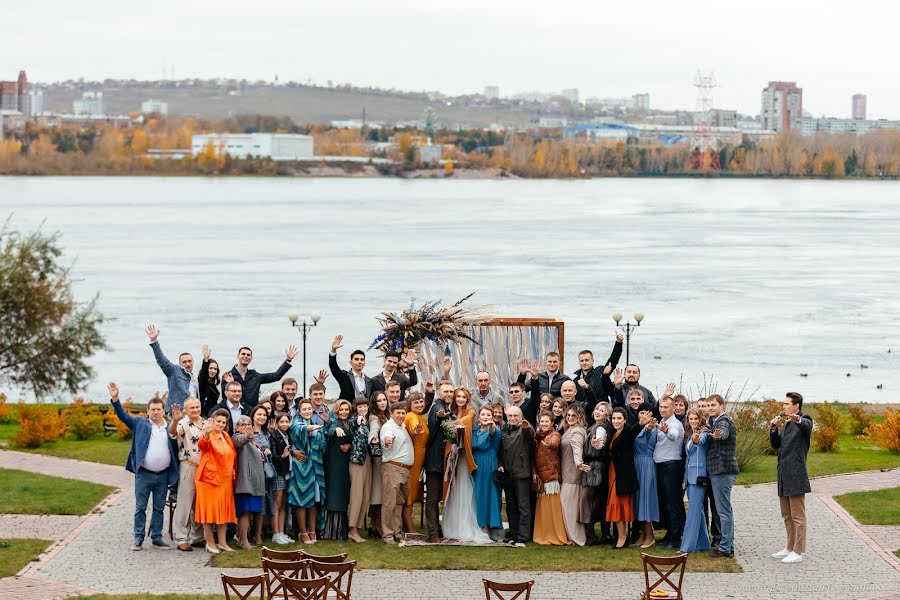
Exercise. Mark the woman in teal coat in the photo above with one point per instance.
(306, 487)
(485, 452)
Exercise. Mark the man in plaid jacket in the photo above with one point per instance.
(722, 466)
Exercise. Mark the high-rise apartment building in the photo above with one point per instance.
(641, 101)
(782, 105)
(14, 94)
(492, 92)
(859, 106)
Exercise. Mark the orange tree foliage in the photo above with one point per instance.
(887, 433)
(38, 425)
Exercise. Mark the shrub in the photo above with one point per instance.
(110, 418)
(887, 433)
(859, 419)
(4, 409)
(752, 434)
(83, 419)
(828, 427)
(38, 425)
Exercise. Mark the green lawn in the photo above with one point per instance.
(15, 554)
(879, 507)
(375, 555)
(852, 455)
(28, 493)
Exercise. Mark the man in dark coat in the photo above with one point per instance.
(391, 372)
(251, 380)
(434, 459)
(549, 381)
(792, 443)
(596, 379)
(517, 462)
(354, 382)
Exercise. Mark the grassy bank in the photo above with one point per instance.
(28, 493)
(16, 553)
(878, 507)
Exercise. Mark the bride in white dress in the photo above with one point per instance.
(460, 520)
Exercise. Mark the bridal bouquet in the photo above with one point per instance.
(448, 427)
(427, 322)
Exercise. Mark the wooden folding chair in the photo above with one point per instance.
(497, 587)
(276, 571)
(335, 558)
(335, 573)
(305, 589)
(282, 554)
(234, 585)
(677, 562)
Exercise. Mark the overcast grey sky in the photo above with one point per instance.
(832, 49)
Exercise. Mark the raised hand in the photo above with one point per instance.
(448, 364)
(337, 343)
(227, 377)
(290, 352)
(208, 427)
(321, 377)
(664, 427)
(523, 366)
(620, 337)
(411, 357)
(582, 382)
(113, 390)
(670, 389)
(206, 352)
(152, 332)
(607, 369)
(618, 377)
(176, 413)
(534, 368)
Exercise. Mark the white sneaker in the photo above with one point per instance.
(278, 538)
(793, 557)
(287, 539)
(780, 555)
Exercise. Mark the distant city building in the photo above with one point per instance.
(14, 94)
(668, 135)
(640, 101)
(154, 106)
(724, 118)
(571, 94)
(812, 126)
(429, 155)
(276, 146)
(91, 103)
(355, 124)
(35, 102)
(492, 92)
(859, 106)
(552, 122)
(782, 105)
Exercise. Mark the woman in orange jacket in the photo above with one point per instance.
(215, 481)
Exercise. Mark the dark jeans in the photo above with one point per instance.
(669, 477)
(715, 529)
(434, 491)
(146, 483)
(518, 508)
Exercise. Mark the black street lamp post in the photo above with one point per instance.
(627, 328)
(304, 328)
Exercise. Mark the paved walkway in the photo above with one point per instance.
(842, 561)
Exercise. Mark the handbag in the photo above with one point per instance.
(703, 480)
(375, 449)
(269, 469)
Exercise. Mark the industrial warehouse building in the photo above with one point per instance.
(275, 146)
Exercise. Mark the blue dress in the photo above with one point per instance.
(485, 450)
(646, 502)
(306, 487)
(695, 537)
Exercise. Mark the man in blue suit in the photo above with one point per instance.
(153, 462)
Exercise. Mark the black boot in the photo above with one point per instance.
(590, 536)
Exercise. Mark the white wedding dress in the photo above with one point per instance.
(460, 520)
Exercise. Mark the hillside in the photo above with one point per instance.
(304, 104)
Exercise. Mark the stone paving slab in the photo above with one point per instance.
(839, 565)
(38, 588)
(41, 527)
(836, 485)
(886, 536)
(115, 476)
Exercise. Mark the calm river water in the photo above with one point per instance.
(741, 280)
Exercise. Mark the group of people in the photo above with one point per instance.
(591, 458)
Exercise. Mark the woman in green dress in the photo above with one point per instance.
(337, 473)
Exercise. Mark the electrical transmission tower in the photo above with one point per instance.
(704, 140)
